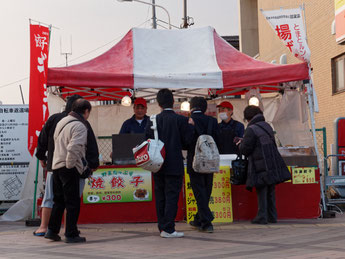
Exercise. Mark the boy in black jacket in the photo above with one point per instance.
(175, 132)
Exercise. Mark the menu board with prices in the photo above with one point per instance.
(220, 201)
(112, 185)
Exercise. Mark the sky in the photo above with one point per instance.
(94, 26)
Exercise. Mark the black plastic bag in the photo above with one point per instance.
(238, 175)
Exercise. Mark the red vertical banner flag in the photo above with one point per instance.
(38, 101)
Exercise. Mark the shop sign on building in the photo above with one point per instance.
(14, 156)
(109, 185)
(340, 20)
(220, 201)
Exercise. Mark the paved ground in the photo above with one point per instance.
(318, 238)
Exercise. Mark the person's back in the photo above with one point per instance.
(70, 139)
(201, 125)
(175, 132)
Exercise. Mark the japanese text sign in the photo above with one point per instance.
(220, 202)
(14, 156)
(303, 175)
(288, 25)
(38, 101)
(109, 185)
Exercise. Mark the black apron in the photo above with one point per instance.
(226, 141)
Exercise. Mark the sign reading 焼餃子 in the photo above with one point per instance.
(14, 156)
(289, 27)
(220, 201)
(109, 185)
(38, 100)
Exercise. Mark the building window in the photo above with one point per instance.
(338, 65)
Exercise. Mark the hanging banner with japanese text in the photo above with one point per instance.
(340, 20)
(288, 25)
(38, 102)
(220, 201)
(109, 185)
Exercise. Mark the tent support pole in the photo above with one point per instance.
(312, 119)
(35, 191)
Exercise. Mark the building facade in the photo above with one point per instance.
(257, 38)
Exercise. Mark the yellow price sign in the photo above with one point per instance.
(220, 201)
(303, 175)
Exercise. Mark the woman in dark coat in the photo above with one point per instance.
(201, 182)
(266, 167)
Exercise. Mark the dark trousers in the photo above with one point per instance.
(66, 195)
(202, 189)
(266, 203)
(167, 191)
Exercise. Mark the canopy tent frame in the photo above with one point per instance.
(137, 61)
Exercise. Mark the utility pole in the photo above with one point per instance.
(185, 18)
(154, 18)
(66, 54)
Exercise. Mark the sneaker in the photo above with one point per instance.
(208, 229)
(76, 239)
(173, 234)
(52, 236)
(195, 224)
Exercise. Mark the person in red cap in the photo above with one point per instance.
(138, 122)
(230, 130)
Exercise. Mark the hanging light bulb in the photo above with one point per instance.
(126, 101)
(185, 106)
(254, 101)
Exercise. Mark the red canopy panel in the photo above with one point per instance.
(112, 69)
(240, 70)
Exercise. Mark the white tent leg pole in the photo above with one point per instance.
(312, 119)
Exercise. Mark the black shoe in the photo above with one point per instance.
(259, 221)
(76, 239)
(52, 236)
(194, 224)
(272, 221)
(208, 229)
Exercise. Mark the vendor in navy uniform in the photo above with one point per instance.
(230, 129)
(138, 122)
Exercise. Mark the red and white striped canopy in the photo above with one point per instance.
(175, 59)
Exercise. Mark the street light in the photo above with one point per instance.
(151, 5)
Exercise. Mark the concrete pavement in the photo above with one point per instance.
(317, 238)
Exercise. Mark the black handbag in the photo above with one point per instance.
(238, 175)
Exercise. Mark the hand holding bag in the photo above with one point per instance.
(150, 154)
(239, 166)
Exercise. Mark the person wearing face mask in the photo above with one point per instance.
(231, 131)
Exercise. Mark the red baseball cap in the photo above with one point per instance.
(141, 101)
(226, 104)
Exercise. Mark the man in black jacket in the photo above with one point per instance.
(45, 151)
(175, 132)
(201, 183)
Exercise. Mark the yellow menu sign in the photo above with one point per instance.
(303, 175)
(220, 201)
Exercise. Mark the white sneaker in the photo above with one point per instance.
(174, 234)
